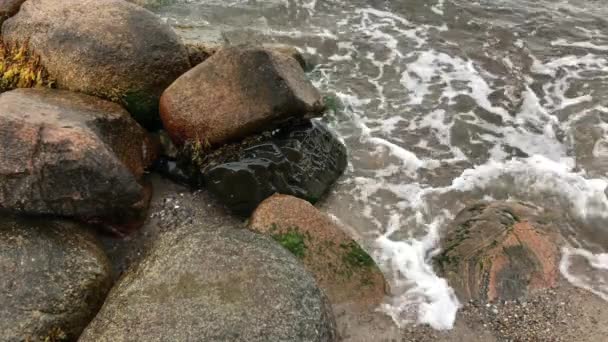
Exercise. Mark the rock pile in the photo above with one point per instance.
(81, 83)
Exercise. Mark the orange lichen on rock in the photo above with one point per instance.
(21, 69)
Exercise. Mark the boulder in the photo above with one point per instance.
(111, 49)
(346, 273)
(9, 8)
(302, 161)
(69, 154)
(200, 52)
(54, 279)
(237, 92)
(501, 251)
(226, 285)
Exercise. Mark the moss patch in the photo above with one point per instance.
(356, 256)
(292, 240)
(21, 69)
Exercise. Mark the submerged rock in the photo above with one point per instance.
(237, 92)
(340, 266)
(54, 278)
(69, 154)
(501, 251)
(228, 285)
(111, 49)
(302, 161)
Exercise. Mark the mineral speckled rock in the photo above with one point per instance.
(340, 266)
(237, 92)
(53, 279)
(8, 8)
(501, 251)
(69, 154)
(302, 161)
(112, 49)
(228, 285)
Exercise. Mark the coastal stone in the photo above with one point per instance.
(9, 8)
(340, 266)
(302, 161)
(111, 49)
(227, 285)
(500, 251)
(72, 155)
(237, 92)
(200, 52)
(54, 279)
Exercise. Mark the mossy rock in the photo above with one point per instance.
(342, 268)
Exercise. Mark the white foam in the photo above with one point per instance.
(595, 282)
(586, 45)
(428, 298)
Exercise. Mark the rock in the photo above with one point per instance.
(288, 50)
(69, 154)
(54, 279)
(111, 49)
(237, 92)
(302, 161)
(200, 52)
(227, 285)
(340, 266)
(501, 251)
(9, 8)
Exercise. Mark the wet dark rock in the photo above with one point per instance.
(237, 92)
(501, 251)
(54, 278)
(72, 155)
(302, 161)
(111, 49)
(227, 285)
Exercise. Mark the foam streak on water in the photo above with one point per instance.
(444, 103)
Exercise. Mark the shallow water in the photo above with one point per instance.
(444, 103)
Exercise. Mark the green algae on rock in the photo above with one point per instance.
(340, 265)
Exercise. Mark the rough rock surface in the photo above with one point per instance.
(200, 52)
(8, 8)
(501, 251)
(237, 92)
(54, 278)
(303, 161)
(112, 49)
(340, 266)
(70, 154)
(229, 285)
